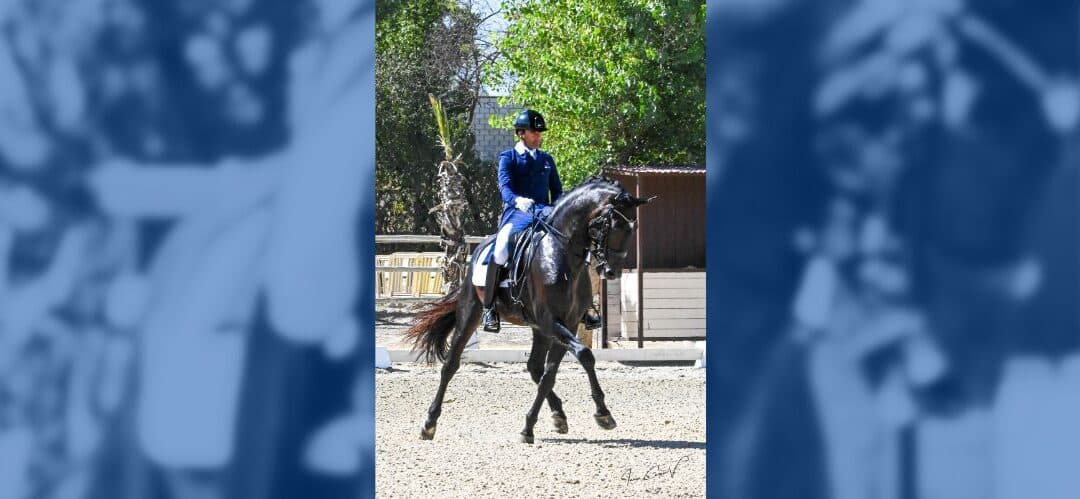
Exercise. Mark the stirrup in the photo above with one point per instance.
(491, 320)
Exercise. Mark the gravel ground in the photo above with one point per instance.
(657, 449)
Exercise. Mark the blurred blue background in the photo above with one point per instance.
(893, 258)
(185, 202)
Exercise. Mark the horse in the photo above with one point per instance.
(595, 219)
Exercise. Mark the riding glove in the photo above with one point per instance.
(523, 203)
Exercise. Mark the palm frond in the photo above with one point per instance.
(444, 127)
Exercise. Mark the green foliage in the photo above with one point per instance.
(618, 81)
(442, 123)
(422, 48)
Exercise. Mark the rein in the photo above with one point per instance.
(599, 229)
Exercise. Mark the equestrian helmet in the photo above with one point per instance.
(531, 120)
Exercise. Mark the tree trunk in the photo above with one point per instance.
(452, 204)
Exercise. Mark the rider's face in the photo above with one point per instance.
(532, 138)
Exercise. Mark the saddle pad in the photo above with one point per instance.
(479, 274)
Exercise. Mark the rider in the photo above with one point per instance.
(529, 183)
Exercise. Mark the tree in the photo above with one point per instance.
(424, 47)
(620, 82)
(452, 202)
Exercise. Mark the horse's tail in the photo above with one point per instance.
(434, 323)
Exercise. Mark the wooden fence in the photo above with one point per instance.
(410, 276)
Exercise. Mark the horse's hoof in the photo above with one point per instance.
(427, 433)
(560, 424)
(526, 439)
(606, 421)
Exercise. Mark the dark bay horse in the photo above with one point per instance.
(596, 218)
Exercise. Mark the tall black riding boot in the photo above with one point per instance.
(491, 288)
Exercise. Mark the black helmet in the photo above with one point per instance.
(530, 119)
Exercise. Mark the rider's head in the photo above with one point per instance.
(529, 126)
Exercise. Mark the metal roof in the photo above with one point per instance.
(656, 170)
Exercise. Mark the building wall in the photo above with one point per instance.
(491, 141)
(672, 227)
(674, 305)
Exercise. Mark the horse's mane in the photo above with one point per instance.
(581, 193)
(593, 181)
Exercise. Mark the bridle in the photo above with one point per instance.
(600, 230)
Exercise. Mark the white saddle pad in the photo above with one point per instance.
(479, 274)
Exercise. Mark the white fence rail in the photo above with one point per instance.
(417, 239)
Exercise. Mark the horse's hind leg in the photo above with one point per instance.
(543, 390)
(541, 347)
(468, 319)
(585, 356)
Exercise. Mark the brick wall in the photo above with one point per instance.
(491, 141)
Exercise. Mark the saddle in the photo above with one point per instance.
(521, 245)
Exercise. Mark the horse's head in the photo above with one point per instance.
(610, 230)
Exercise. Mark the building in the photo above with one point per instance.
(670, 248)
(491, 141)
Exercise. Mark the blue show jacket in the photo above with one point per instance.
(522, 175)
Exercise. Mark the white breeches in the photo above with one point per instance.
(502, 252)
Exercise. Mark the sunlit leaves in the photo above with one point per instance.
(620, 82)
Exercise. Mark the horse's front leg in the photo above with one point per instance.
(585, 356)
